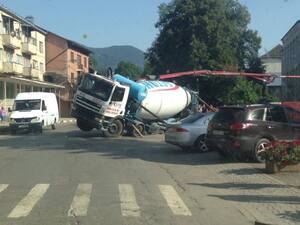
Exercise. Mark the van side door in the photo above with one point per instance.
(45, 113)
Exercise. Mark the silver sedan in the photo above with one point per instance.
(190, 132)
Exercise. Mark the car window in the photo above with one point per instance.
(229, 115)
(256, 114)
(276, 114)
(192, 118)
(293, 116)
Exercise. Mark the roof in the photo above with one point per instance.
(292, 28)
(33, 95)
(71, 43)
(275, 52)
(24, 21)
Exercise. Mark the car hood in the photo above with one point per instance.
(25, 114)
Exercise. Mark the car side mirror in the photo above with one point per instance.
(44, 108)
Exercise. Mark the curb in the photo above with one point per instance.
(67, 121)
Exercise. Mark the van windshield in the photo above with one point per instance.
(98, 88)
(32, 104)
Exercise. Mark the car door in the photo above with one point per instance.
(277, 124)
(293, 117)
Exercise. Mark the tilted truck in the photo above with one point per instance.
(118, 104)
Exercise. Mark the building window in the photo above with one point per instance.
(20, 60)
(9, 56)
(85, 62)
(10, 90)
(26, 62)
(35, 65)
(72, 57)
(79, 59)
(42, 67)
(72, 78)
(41, 47)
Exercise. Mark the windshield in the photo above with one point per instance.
(33, 104)
(96, 87)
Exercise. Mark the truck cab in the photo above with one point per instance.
(99, 102)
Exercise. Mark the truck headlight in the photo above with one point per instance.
(35, 119)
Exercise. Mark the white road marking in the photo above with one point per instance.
(3, 187)
(81, 200)
(129, 206)
(29, 201)
(174, 201)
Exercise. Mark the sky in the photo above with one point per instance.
(103, 23)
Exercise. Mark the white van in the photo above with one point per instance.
(34, 110)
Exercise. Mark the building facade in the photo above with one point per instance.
(291, 62)
(22, 57)
(65, 61)
(272, 61)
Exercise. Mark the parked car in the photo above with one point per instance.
(34, 110)
(190, 132)
(246, 130)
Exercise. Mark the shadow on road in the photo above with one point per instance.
(242, 186)
(260, 198)
(151, 148)
(243, 171)
(293, 216)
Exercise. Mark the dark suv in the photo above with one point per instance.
(245, 130)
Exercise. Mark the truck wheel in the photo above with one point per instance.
(115, 129)
(140, 127)
(83, 125)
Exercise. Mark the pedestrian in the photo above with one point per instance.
(4, 114)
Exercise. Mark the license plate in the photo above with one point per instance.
(23, 126)
(218, 132)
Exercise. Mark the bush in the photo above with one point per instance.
(283, 152)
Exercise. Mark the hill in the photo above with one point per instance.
(111, 56)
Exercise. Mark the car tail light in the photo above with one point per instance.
(180, 129)
(240, 126)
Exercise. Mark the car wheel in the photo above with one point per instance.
(260, 146)
(200, 144)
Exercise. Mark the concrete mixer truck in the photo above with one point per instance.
(119, 104)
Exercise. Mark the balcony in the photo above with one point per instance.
(31, 72)
(11, 42)
(12, 67)
(28, 48)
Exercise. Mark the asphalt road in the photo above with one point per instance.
(70, 177)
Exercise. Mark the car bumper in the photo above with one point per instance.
(19, 126)
(230, 144)
(183, 140)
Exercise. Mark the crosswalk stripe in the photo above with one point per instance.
(24, 207)
(3, 187)
(174, 201)
(129, 206)
(81, 200)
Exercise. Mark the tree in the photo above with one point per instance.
(203, 34)
(93, 62)
(128, 69)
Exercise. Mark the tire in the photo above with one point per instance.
(83, 125)
(259, 146)
(200, 144)
(140, 127)
(115, 129)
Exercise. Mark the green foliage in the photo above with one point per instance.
(92, 62)
(128, 69)
(203, 34)
(243, 92)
